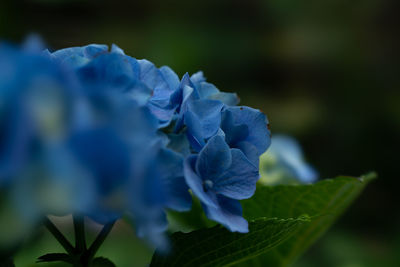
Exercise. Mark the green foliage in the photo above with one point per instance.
(102, 262)
(217, 246)
(324, 202)
(50, 257)
(283, 221)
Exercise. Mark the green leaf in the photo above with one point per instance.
(102, 262)
(189, 220)
(217, 246)
(324, 202)
(50, 257)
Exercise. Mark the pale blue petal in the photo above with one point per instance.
(150, 75)
(198, 77)
(229, 99)
(228, 213)
(116, 49)
(206, 89)
(170, 78)
(94, 50)
(290, 155)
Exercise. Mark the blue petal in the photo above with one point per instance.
(214, 159)
(180, 96)
(170, 78)
(94, 50)
(173, 181)
(164, 115)
(75, 61)
(206, 89)
(116, 49)
(89, 51)
(250, 151)
(179, 143)
(228, 213)
(234, 133)
(161, 103)
(203, 119)
(198, 77)
(150, 74)
(104, 155)
(33, 43)
(103, 216)
(67, 52)
(188, 95)
(259, 134)
(229, 99)
(114, 72)
(152, 229)
(138, 92)
(196, 183)
(109, 70)
(239, 181)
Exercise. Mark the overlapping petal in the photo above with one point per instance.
(135, 138)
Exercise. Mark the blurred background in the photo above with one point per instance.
(326, 72)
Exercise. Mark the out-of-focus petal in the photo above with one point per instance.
(170, 166)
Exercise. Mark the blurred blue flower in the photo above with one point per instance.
(93, 131)
(284, 162)
(220, 176)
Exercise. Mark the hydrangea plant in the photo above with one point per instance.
(95, 133)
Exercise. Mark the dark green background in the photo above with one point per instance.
(326, 72)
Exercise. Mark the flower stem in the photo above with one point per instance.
(59, 236)
(80, 256)
(91, 252)
(79, 228)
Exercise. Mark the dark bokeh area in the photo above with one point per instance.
(326, 72)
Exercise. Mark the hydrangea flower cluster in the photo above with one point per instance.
(91, 130)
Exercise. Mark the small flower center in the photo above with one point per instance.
(207, 185)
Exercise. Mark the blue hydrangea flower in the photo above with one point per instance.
(105, 134)
(111, 80)
(220, 176)
(284, 162)
(37, 172)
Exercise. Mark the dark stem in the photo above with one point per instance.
(79, 228)
(80, 256)
(91, 252)
(59, 236)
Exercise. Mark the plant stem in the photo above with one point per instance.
(80, 256)
(91, 252)
(79, 228)
(59, 236)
